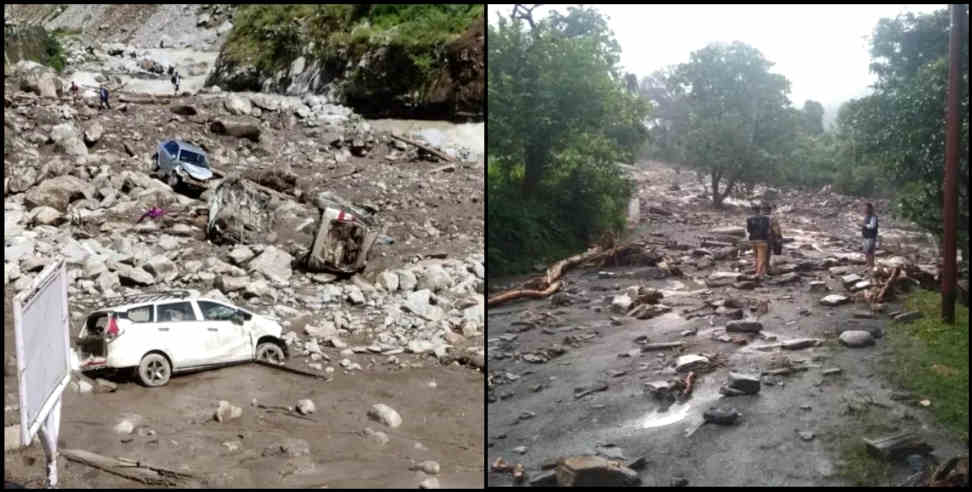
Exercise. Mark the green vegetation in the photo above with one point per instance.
(560, 117)
(54, 53)
(272, 35)
(932, 360)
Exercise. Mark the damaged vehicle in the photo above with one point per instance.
(161, 333)
(241, 211)
(177, 162)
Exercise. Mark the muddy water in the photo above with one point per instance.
(439, 133)
(156, 84)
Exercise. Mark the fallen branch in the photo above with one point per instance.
(688, 383)
(518, 293)
(127, 468)
(887, 285)
(426, 148)
(295, 371)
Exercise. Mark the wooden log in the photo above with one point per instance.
(660, 346)
(127, 468)
(236, 129)
(516, 294)
(897, 445)
(426, 148)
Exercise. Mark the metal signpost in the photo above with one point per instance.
(43, 359)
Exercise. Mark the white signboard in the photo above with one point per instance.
(43, 350)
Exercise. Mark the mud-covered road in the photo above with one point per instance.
(592, 398)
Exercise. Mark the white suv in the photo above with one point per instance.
(160, 333)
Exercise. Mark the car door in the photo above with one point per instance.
(169, 161)
(193, 342)
(233, 339)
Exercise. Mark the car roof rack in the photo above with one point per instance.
(146, 297)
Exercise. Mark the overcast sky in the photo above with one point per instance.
(822, 49)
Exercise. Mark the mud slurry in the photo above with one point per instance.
(764, 447)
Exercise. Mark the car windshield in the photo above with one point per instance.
(171, 147)
(193, 158)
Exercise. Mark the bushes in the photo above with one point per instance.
(54, 53)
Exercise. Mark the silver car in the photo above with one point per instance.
(176, 161)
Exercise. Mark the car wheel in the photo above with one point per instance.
(270, 352)
(155, 163)
(154, 370)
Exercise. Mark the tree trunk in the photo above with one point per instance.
(534, 170)
(716, 199)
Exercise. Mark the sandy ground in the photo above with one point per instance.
(764, 448)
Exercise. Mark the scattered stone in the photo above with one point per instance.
(805, 407)
(520, 449)
(104, 386)
(305, 407)
(863, 284)
(909, 316)
(385, 414)
(690, 362)
(377, 436)
(582, 391)
(746, 383)
(290, 447)
(897, 445)
(856, 338)
(721, 416)
(545, 479)
(806, 435)
(621, 303)
(849, 280)
(429, 483)
(588, 471)
(832, 370)
(226, 411)
(818, 286)
(430, 467)
(747, 326)
(834, 300)
(801, 343)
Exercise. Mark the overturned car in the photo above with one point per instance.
(242, 211)
(177, 162)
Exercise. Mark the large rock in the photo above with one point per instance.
(41, 81)
(237, 106)
(56, 193)
(388, 281)
(93, 133)
(856, 338)
(385, 414)
(325, 332)
(274, 263)
(67, 139)
(406, 280)
(594, 471)
(305, 407)
(47, 216)
(134, 275)
(434, 278)
(162, 268)
(226, 283)
(850, 279)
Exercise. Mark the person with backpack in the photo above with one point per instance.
(103, 94)
(869, 230)
(758, 227)
(176, 78)
(775, 242)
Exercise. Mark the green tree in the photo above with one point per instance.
(735, 124)
(813, 113)
(901, 125)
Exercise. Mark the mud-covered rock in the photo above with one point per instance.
(594, 471)
(856, 338)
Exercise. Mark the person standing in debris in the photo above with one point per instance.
(775, 243)
(758, 227)
(176, 78)
(870, 232)
(103, 94)
(74, 90)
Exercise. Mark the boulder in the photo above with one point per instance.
(237, 106)
(305, 407)
(274, 263)
(388, 281)
(93, 133)
(434, 278)
(856, 338)
(45, 215)
(325, 332)
(386, 415)
(594, 471)
(354, 295)
(406, 280)
(721, 416)
(818, 286)
(134, 275)
(67, 139)
(621, 303)
(56, 193)
(162, 268)
(226, 283)
(850, 279)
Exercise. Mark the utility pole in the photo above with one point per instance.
(950, 207)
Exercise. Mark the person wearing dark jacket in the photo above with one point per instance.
(103, 95)
(758, 227)
(870, 232)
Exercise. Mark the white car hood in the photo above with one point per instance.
(197, 172)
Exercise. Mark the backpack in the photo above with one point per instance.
(870, 234)
(758, 227)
